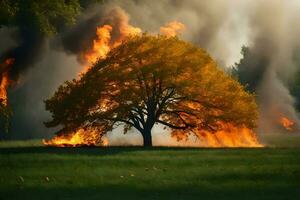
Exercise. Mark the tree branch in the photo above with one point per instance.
(173, 126)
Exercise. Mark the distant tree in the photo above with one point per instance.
(294, 85)
(250, 69)
(152, 80)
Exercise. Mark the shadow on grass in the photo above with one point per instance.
(130, 192)
(69, 150)
(103, 150)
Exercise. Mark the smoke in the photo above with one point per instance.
(160, 137)
(39, 83)
(114, 19)
(26, 54)
(269, 28)
(6, 38)
(217, 26)
(270, 66)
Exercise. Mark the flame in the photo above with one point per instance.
(4, 81)
(104, 43)
(105, 142)
(229, 136)
(3, 88)
(101, 46)
(78, 138)
(286, 123)
(172, 29)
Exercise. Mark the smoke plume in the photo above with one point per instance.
(269, 66)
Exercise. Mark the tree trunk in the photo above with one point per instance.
(147, 137)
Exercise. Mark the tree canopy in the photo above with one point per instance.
(152, 80)
(45, 16)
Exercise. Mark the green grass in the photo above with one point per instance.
(35, 172)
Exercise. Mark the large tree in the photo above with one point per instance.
(152, 80)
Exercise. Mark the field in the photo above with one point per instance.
(31, 171)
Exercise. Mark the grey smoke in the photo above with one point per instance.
(84, 32)
(273, 43)
(6, 37)
(38, 84)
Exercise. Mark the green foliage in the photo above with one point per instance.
(153, 80)
(45, 16)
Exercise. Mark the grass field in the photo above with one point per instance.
(31, 171)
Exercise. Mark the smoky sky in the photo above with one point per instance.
(270, 29)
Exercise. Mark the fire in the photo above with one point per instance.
(172, 29)
(101, 45)
(229, 136)
(78, 138)
(286, 123)
(4, 81)
(3, 88)
(104, 42)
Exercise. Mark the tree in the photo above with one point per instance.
(250, 69)
(152, 80)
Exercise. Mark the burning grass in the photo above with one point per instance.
(77, 139)
(113, 173)
(229, 137)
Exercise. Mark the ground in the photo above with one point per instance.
(31, 171)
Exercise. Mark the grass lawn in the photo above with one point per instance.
(31, 171)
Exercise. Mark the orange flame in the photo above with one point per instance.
(172, 29)
(229, 136)
(101, 46)
(103, 43)
(286, 123)
(79, 138)
(3, 88)
(4, 82)
(232, 137)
